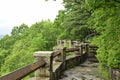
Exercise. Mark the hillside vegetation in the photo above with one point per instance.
(17, 49)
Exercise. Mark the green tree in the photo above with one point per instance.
(18, 31)
(74, 20)
(18, 48)
(105, 19)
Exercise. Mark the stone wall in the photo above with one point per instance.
(43, 72)
(114, 74)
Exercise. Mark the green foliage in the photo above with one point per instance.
(73, 20)
(18, 31)
(104, 72)
(105, 20)
(17, 49)
(79, 19)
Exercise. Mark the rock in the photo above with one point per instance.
(89, 72)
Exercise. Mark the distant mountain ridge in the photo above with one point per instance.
(1, 36)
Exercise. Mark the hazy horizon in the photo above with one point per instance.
(16, 12)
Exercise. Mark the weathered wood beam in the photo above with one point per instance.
(22, 72)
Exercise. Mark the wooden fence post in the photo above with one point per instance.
(87, 49)
(64, 57)
(51, 67)
(81, 52)
(81, 49)
(63, 54)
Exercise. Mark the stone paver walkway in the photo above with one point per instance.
(86, 71)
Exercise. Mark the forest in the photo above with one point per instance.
(79, 19)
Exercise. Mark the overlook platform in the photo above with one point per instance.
(75, 62)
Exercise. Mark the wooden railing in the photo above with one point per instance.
(80, 50)
(67, 62)
(22, 72)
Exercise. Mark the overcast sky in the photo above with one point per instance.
(15, 12)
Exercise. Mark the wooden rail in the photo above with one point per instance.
(65, 63)
(21, 73)
(57, 53)
(82, 49)
(72, 49)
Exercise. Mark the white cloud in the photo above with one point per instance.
(16, 12)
